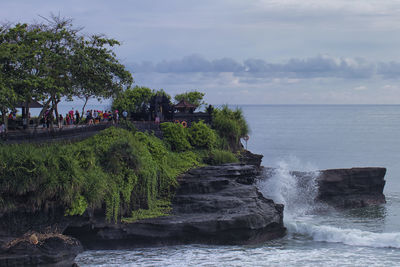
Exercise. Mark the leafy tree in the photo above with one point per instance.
(8, 96)
(50, 61)
(98, 73)
(193, 97)
(135, 100)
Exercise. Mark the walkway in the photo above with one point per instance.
(71, 132)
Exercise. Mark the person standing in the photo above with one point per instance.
(77, 117)
(124, 114)
(60, 121)
(116, 116)
(3, 130)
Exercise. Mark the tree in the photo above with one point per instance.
(98, 73)
(50, 61)
(12, 67)
(135, 100)
(192, 97)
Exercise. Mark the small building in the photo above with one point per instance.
(185, 107)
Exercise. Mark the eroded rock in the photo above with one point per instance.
(35, 249)
(213, 205)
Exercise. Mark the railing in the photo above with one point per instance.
(39, 134)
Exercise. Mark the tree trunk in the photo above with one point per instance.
(45, 107)
(25, 112)
(84, 105)
(56, 110)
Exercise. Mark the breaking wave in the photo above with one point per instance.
(298, 191)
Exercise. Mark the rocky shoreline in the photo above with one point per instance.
(213, 205)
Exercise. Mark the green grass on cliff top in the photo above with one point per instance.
(126, 173)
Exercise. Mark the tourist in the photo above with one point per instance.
(124, 114)
(87, 116)
(48, 120)
(60, 121)
(67, 118)
(116, 117)
(3, 130)
(44, 119)
(77, 117)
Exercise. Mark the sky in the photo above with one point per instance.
(246, 52)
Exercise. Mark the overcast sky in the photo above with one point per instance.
(247, 52)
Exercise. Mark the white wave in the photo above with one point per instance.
(296, 194)
(352, 237)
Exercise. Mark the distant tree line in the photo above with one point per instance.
(50, 61)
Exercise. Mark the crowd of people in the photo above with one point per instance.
(71, 118)
(91, 117)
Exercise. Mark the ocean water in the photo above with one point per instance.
(307, 138)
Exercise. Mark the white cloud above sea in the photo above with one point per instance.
(264, 51)
(295, 68)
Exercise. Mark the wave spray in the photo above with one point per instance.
(298, 193)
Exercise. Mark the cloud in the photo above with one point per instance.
(360, 88)
(313, 67)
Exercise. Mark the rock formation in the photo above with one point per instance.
(35, 249)
(213, 205)
(349, 188)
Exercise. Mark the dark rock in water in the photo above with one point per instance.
(36, 249)
(350, 188)
(355, 187)
(213, 205)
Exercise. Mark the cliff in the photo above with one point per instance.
(213, 205)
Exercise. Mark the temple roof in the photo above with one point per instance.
(184, 104)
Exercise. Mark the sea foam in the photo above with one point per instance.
(301, 209)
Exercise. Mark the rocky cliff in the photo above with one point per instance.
(213, 205)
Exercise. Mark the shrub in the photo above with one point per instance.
(120, 170)
(231, 126)
(128, 125)
(202, 136)
(222, 156)
(176, 136)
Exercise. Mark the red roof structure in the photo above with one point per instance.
(184, 106)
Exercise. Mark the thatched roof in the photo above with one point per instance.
(184, 104)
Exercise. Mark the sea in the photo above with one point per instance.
(305, 138)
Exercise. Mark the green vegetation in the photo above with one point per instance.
(230, 126)
(176, 136)
(202, 136)
(131, 175)
(222, 156)
(192, 97)
(122, 171)
(49, 61)
(135, 99)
